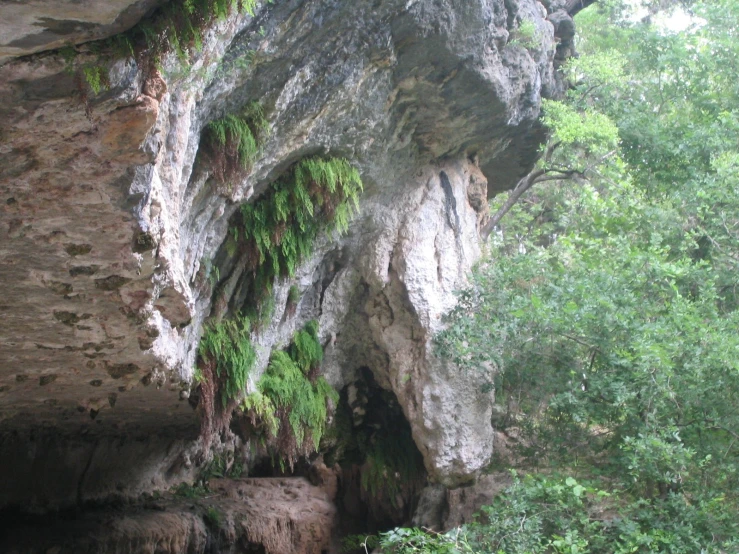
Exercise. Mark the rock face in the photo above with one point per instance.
(273, 516)
(111, 220)
(37, 25)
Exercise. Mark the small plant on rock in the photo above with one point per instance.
(525, 35)
(232, 143)
(293, 395)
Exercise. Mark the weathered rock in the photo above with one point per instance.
(110, 218)
(274, 516)
(440, 508)
(37, 25)
(282, 515)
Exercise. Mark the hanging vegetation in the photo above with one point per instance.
(179, 27)
(232, 143)
(276, 233)
(292, 402)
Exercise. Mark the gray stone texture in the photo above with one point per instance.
(108, 216)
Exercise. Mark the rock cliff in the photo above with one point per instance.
(114, 224)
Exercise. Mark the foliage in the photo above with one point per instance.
(274, 235)
(292, 400)
(411, 541)
(227, 347)
(350, 543)
(525, 35)
(558, 515)
(222, 466)
(96, 77)
(185, 490)
(393, 464)
(213, 517)
(179, 27)
(605, 318)
(261, 410)
(293, 297)
(277, 232)
(293, 294)
(233, 142)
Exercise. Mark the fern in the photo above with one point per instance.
(305, 350)
(227, 345)
(233, 142)
(96, 77)
(301, 401)
(261, 408)
(279, 229)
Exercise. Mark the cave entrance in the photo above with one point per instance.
(381, 469)
(368, 462)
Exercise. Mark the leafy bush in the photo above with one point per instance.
(605, 318)
(557, 515)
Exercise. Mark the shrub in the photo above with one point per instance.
(556, 515)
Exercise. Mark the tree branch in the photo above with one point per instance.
(537, 176)
(573, 7)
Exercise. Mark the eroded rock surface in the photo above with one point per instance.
(273, 516)
(37, 25)
(111, 221)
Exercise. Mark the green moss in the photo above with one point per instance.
(227, 347)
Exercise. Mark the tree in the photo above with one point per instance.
(606, 314)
